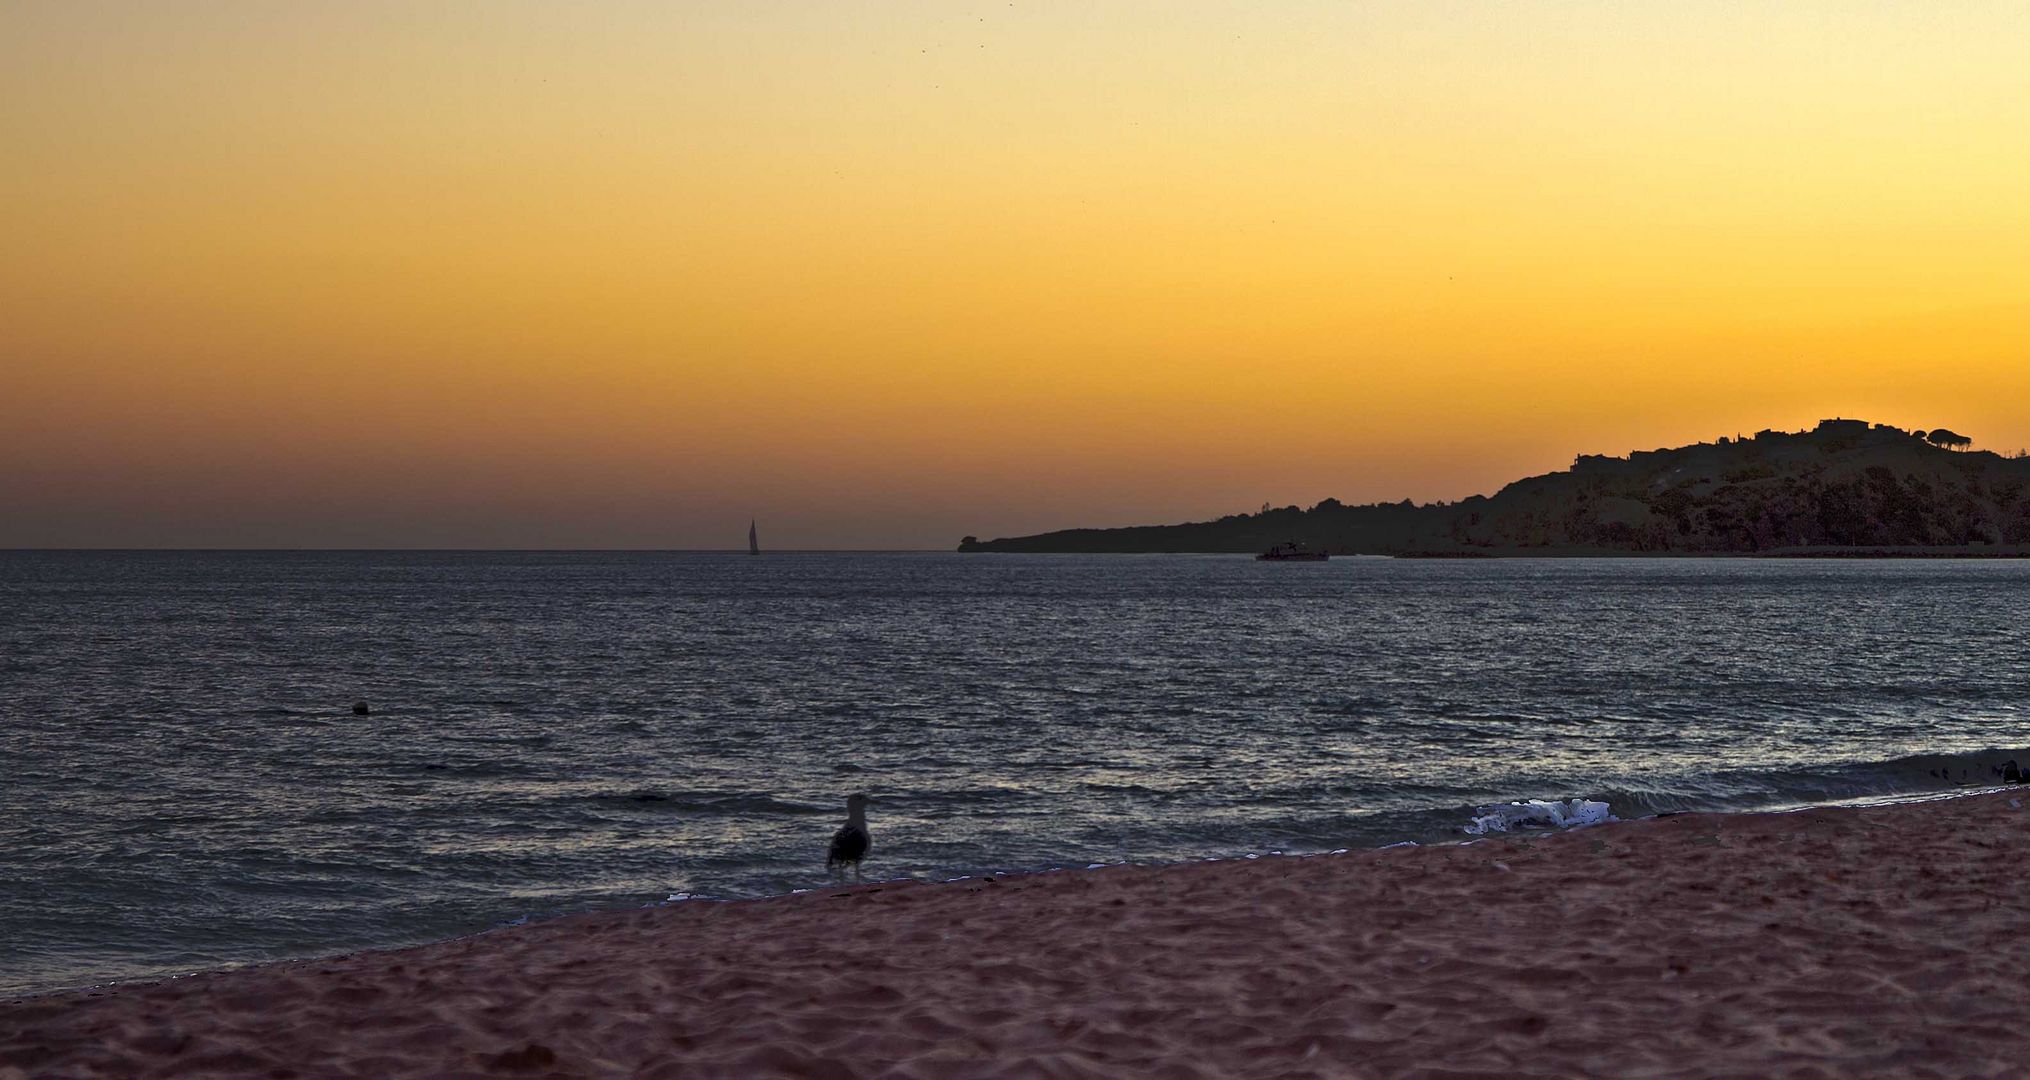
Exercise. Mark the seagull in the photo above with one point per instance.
(851, 843)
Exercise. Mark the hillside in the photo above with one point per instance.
(1843, 485)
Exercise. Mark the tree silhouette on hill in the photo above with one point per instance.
(1863, 488)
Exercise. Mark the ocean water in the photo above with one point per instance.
(183, 785)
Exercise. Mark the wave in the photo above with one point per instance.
(1765, 788)
(707, 802)
(1783, 788)
(1542, 814)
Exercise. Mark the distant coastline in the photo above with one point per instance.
(1844, 489)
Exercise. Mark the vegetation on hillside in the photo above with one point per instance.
(1844, 484)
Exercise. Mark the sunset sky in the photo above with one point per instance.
(624, 274)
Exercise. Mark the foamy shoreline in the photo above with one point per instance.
(1875, 940)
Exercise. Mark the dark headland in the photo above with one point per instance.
(1845, 488)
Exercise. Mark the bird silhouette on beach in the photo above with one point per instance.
(851, 843)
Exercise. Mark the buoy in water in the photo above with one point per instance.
(359, 708)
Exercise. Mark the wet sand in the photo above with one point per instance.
(1880, 941)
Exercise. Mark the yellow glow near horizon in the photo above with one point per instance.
(624, 274)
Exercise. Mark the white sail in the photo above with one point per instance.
(753, 545)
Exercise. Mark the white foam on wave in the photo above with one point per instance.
(1540, 814)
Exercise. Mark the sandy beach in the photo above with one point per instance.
(1834, 942)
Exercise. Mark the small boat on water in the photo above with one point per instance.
(1292, 552)
(753, 544)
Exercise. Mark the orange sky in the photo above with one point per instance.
(622, 274)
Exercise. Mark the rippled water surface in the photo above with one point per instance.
(182, 783)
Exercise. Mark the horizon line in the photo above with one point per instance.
(502, 550)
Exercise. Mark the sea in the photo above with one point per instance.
(184, 783)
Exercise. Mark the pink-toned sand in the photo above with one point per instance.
(1888, 941)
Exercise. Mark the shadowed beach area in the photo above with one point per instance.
(1855, 941)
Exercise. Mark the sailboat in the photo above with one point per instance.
(753, 546)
